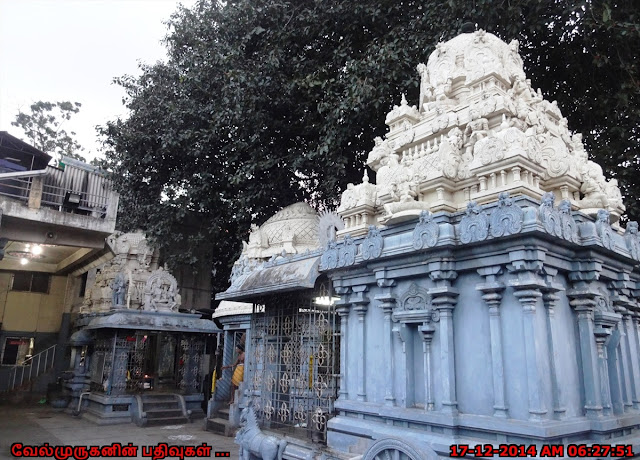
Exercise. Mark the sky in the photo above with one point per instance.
(71, 50)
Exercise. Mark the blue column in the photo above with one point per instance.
(386, 301)
(360, 306)
(444, 299)
(527, 286)
(492, 295)
(550, 298)
(342, 308)
(583, 302)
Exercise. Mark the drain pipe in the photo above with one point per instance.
(77, 412)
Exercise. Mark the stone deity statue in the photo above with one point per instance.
(118, 290)
(592, 187)
(161, 292)
(162, 297)
(476, 129)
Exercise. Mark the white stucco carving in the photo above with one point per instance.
(161, 292)
(132, 279)
(480, 128)
(292, 230)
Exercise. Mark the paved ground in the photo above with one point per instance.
(39, 424)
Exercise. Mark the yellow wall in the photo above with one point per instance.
(32, 312)
(5, 284)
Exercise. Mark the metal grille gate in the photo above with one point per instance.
(121, 361)
(101, 363)
(294, 364)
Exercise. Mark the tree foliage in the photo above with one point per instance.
(261, 103)
(43, 125)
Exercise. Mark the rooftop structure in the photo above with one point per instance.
(73, 205)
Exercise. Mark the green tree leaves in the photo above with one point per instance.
(43, 126)
(261, 104)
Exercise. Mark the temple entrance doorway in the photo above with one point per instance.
(147, 361)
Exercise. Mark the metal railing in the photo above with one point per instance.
(30, 369)
(17, 187)
(92, 191)
(89, 203)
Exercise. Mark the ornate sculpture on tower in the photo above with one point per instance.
(132, 279)
(479, 129)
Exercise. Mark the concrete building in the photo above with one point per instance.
(54, 222)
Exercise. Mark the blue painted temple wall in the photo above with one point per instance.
(560, 363)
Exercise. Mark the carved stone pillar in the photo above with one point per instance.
(623, 364)
(527, 286)
(342, 308)
(427, 331)
(605, 322)
(401, 330)
(628, 348)
(550, 298)
(444, 299)
(492, 295)
(630, 331)
(360, 304)
(386, 301)
(634, 339)
(583, 302)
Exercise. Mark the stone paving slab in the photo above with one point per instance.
(36, 425)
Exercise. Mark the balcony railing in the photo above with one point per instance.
(69, 190)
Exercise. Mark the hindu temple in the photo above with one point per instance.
(136, 356)
(479, 290)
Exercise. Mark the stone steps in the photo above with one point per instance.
(162, 409)
(157, 405)
(220, 424)
(162, 413)
(167, 421)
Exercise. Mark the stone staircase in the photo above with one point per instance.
(161, 409)
(220, 423)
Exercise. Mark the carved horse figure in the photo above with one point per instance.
(254, 444)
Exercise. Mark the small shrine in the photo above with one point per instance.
(292, 348)
(133, 339)
(479, 291)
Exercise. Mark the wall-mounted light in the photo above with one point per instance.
(36, 250)
(325, 300)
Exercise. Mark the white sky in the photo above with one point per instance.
(70, 50)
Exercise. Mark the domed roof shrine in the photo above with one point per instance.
(479, 291)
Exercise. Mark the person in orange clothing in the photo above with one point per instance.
(238, 373)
